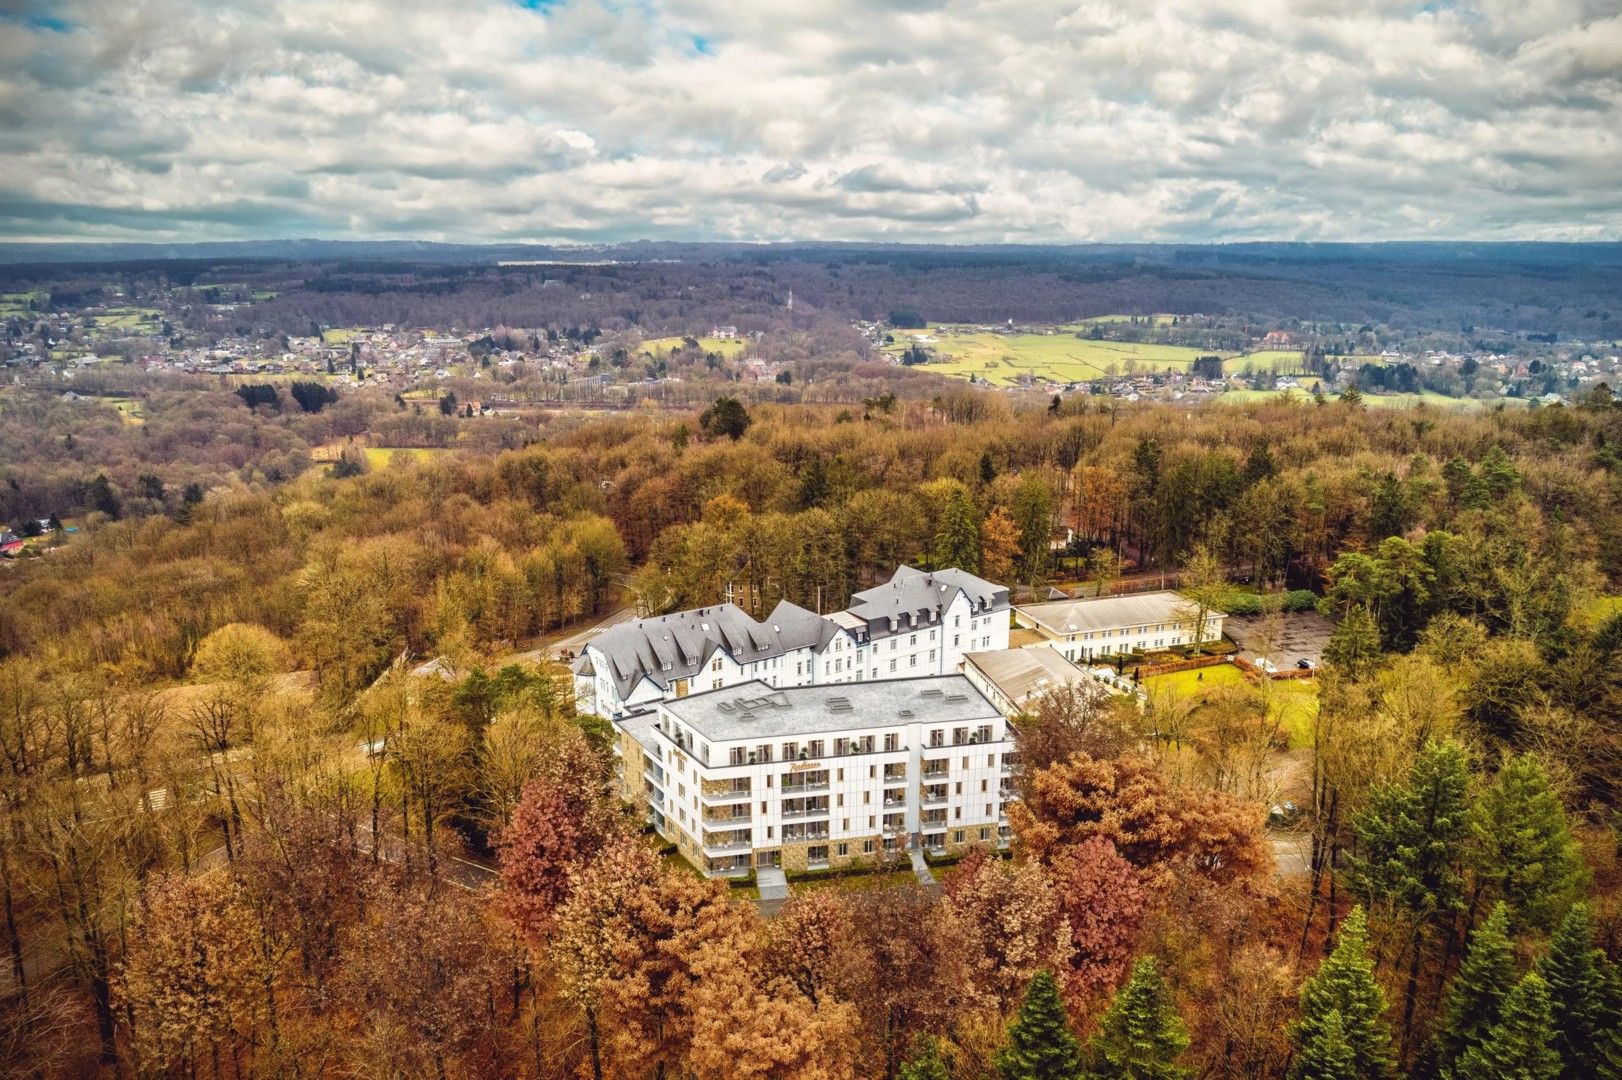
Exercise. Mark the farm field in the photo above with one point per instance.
(338, 335)
(128, 318)
(1002, 359)
(1373, 401)
(724, 346)
(17, 303)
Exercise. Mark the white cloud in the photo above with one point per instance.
(1003, 120)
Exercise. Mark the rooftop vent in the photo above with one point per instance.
(956, 698)
(933, 691)
(905, 714)
(839, 704)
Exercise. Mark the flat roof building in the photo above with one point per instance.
(1014, 679)
(819, 776)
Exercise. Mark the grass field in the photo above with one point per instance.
(379, 456)
(338, 335)
(1601, 608)
(1292, 702)
(128, 318)
(1002, 359)
(1373, 401)
(858, 882)
(725, 346)
(16, 303)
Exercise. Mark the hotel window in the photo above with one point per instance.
(715, 665)
(867, 797)
(983, 785)
(957, 836)
(957, 812)
(791, 751)
(768, 832)
(957, 620)
(839, 800)
(960, 787)
(715, 684)
(892, 742)
(764, 752)
(932, 635)
(937, 737)
(870, 820)
(988, 809)
(816, 747)
(867, 847)
(841, 776)
(960, 735)
(843, 849)
(912, 661)
(739, 755)
(844, 826)
(932, 654)
(985, 834)
(954, 641)
(912, 640)
(892, 663)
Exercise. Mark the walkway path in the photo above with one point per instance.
(921, 868)
(773, 886)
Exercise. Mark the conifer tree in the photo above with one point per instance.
(1525, 853)
(1519, 1046)
(1475, 998)
(1344, 985)
(925, 1062)
(1583, 1001)
(1140, 1036)
(1329, 1056)
(957, 543)
(1040, 1044)
(1411, 841)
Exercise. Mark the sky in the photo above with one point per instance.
(765, 120)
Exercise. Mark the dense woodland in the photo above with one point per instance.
(232, 813)
(1565, 289)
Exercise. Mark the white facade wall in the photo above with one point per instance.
(966, 795)
(1096, 644)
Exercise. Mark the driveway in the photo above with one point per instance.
(1303, 637)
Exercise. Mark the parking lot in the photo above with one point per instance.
(1302, 636)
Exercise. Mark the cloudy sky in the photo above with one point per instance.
(999, 120)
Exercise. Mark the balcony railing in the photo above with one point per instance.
(790, 790)
(721, 847)
(724, 819)
(719, 797)
(801, 815)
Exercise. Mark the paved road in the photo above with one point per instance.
(573, 643)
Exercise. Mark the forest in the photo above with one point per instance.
(1564, 289)
(292, 789)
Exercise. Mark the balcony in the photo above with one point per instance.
(802, 815)
(723, 846)
(895, 773)
(791, 790)
(722, 820)
(933, 797)
(720, 798)
(936, 770)
(794, 836)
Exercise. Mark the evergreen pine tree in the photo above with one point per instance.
(1475, 997)
(1524, 849)
(1329, 1056)
(1141, 1036)
(1040, 1044)
(958, 541)
(1344, 985)
(1582, 1000)
(1519, 1046)
(925, 1062)
(1411, 851)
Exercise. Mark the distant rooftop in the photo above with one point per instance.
(755, 709)
(1110, 612)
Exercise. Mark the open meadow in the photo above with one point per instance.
(1005, 359)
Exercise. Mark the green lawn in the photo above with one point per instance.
(725, 346)
(1292, 702)
(338, 335)
(1601, 608)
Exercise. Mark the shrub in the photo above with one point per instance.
(1300, 600)
(1243, 603)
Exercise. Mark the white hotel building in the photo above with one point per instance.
(1106, 627)
(820, 775)
(919, 623)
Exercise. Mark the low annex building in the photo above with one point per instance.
(918, 623)
(1108, 626)
(819, 776)
(1013, 679)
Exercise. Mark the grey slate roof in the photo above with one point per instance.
(756, 710)
(924, 595)
(685, 639)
